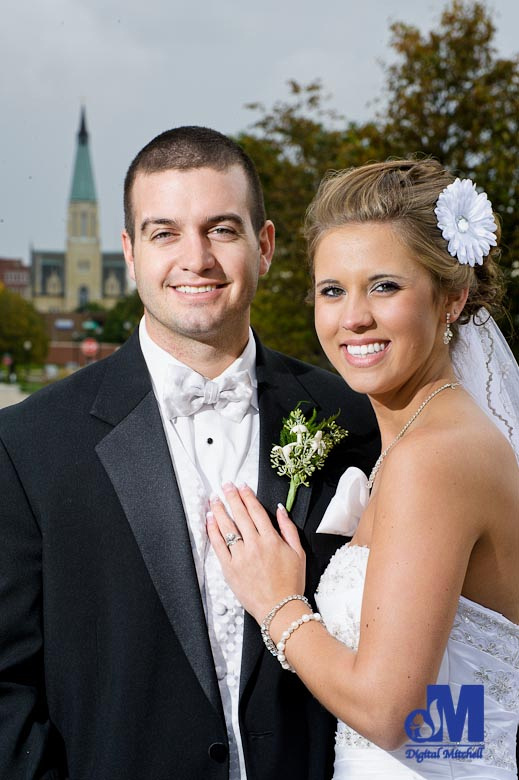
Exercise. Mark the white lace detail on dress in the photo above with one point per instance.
(483, 649)
(487, 631)
(343, 580)
(336, 582)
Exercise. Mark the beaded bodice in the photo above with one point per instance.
(483, 648)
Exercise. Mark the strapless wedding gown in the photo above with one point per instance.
(483, 648)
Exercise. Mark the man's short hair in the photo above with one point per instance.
(185, 148)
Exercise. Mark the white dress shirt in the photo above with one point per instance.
(207, 450)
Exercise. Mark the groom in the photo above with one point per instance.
(123, 654)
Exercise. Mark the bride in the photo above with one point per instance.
(426, 593)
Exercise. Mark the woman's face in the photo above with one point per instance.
(376, 314)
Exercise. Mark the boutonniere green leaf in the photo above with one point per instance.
(303, 447)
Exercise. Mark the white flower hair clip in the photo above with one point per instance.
(466, 221)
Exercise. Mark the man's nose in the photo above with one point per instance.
(196, 253)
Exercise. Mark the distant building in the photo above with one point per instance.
(64, 281)
(15, 276)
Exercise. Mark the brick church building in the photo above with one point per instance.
(63, 281)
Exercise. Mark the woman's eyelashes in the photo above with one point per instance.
(386, 287)
(331, 291)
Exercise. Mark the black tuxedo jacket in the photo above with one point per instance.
(106, 671)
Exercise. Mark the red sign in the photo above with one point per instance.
(89, 347)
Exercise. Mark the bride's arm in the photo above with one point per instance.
(424, 529)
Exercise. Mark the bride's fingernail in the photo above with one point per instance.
(227, 486)
(282, 509)
(209, 518)
(214, 498)
(243, 486)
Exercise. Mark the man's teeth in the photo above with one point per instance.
(185, 288)
(366, 349)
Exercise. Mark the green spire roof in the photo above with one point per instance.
(83, 179)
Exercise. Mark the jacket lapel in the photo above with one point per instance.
(279, 392)
(136, 458)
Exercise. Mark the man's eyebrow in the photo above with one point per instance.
(227, 217)
(157, 221)
(230, 216)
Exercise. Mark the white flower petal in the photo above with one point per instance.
(466, 221)
(287, 449)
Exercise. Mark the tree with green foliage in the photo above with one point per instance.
(122, 319)
(448, 95)
(23, 335)
(293, 148)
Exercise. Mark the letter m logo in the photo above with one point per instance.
(470, 710)
(427, 725)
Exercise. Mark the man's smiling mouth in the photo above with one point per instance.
(202, 288)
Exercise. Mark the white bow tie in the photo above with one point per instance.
(186, 392)
(346, 507)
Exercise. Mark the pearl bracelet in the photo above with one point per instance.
(285, 636)
(265, 626)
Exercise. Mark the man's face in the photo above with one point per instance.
(195, 258)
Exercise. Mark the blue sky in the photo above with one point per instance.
(141, 68)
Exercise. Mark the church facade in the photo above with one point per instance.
(83, 273)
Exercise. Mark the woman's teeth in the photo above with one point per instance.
(366, 349)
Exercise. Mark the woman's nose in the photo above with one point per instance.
(357, 315)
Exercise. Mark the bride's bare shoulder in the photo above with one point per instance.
(460, 459)
(463, 437)
(478, 446)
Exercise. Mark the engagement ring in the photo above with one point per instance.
(231, 539)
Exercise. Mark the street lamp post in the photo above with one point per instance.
(27, 346)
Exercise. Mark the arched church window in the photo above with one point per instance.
(112, 286)
(83, 295)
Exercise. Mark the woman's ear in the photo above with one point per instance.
(455, 302)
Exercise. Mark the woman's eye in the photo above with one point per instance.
(331, 292)
(386, 287)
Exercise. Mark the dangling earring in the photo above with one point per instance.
(447, 334)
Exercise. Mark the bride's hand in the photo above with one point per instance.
(263, 567)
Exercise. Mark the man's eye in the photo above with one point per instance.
(222, 230)
(162, 236)
(331, 292)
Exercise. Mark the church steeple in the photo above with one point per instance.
(83, 261)
(83, 188)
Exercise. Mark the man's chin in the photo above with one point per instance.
(201, 330)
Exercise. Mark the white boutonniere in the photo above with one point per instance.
(303, 448)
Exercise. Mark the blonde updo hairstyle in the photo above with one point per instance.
(404, 193)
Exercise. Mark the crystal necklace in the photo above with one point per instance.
(422, 406)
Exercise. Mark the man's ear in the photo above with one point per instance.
(267, 242)
(128, 254)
